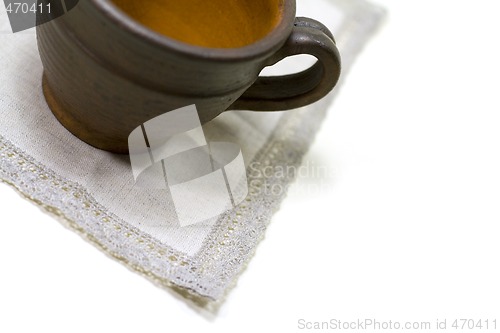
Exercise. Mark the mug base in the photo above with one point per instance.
(72, 125)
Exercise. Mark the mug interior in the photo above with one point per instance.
(207, 23)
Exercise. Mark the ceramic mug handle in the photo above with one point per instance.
(276, 93)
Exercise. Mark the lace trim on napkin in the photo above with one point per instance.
(226, 249)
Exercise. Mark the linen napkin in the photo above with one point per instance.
(93, 191)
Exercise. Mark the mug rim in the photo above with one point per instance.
(257, 49)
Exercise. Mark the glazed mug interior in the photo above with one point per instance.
(207, 23)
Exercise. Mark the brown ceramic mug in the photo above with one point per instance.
(107, 69)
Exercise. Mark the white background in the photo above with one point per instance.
(404, 227)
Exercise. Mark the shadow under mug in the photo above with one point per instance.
(105, 74)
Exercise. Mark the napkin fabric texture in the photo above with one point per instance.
(93, 191)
